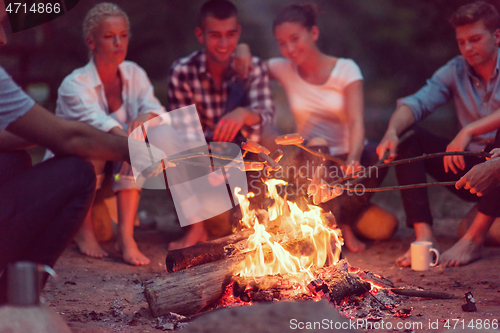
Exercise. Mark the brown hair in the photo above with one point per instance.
(304, 14)
(220, 9)
(474, 12)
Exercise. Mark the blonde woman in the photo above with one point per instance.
(114, 96)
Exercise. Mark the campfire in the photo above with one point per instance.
(310, 243)
(283, 253)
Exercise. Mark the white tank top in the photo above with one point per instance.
(120, 115)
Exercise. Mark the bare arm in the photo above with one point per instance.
(481, 126)
(9, 141)
(355, 112)
(401, 119)
(482, 178)
(231, 123)
(69, 137)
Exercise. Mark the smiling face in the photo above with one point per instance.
(109, 42)
(295, 41)
(477, 44)
(3, 18)
(219, 37)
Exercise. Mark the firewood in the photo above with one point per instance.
(341, 283)
(202, 252)
(188, 291)
(232, 245)
(423, 293)
(337, 281)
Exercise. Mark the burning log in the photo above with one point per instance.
(203, 252)
(268, 288)
(188, 291)
(341, 283)
(336, 281)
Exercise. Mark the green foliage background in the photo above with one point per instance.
(397, 43)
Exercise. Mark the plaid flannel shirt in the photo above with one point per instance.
(190, 82)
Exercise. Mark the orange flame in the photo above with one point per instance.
(286, 223)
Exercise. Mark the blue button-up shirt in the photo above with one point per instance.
(473, 100)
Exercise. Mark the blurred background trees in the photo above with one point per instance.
(398, 44)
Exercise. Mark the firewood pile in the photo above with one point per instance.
(206, 284)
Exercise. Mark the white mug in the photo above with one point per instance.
(421, 256)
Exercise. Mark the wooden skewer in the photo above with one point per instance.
(423, 293)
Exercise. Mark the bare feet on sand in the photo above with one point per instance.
(131, 254)
(195, 234)
(462, 253)
(88, 244)
(423, 233)
(352, 243)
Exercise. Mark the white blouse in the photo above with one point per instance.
(81, 96)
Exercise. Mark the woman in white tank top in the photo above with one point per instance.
(325, 95)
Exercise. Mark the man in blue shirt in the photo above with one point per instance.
(42, 207)
(472, 81)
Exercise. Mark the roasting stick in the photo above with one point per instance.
(423, 293)
(337, 185)
(360, 175)
(379, 164)
(412, 159)
(270, 162)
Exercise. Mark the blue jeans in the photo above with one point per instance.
(41, 207)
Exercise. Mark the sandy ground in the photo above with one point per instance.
(106, 295)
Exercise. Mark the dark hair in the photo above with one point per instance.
(220, 9)
(304, 14)
(473, 12)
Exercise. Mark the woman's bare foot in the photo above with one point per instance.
(404, 260)
(131, 254)
(423, 232)
(195, 234)
(88, 244)
(462, 253)
(352, 242)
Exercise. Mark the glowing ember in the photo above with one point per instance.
(318, 244)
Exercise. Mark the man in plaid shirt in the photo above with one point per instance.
(229, 108)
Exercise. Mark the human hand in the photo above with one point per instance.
(389, 143)
(351, 167)
(482, 178)
(141, 119)
(494, 153)
(145, 159)
(459, 143)
(118, 131)
(229, 125)
(242, 63)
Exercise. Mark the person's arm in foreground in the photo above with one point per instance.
(482, 177)
(481, 126)
(9, 141)
(69, 137)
